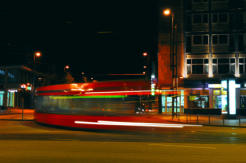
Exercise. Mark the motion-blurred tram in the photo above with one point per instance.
(91, 105)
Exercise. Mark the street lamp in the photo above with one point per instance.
(66, 67)
(173, 56)
(167, 12)
(36, 55)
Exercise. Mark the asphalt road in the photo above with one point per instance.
(26, 141)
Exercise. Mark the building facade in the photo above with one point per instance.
(211, 51)
(17, 86)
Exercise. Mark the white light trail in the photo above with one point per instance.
(136, 124)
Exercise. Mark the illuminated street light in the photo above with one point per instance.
(173, 56)
(167, 12)
(36, 55)
(145, 54)
(66, 67)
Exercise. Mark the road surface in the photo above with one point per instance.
(26, 141)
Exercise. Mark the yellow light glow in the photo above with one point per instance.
(167, 12)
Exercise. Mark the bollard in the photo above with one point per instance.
(209, 119)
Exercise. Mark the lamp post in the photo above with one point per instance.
(66, 68)
(146, 67)
(173, 58)
(36, 56)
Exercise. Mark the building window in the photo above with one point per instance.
(200, 19)
(197, 66)
(188, 44)
(222, 39)
(200, 1)
(242, 65)
(220, 18)
(200, 40)
(224, 66)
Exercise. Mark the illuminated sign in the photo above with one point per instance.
(232, 96)
(214, 85)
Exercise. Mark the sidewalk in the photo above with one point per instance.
(17, 114)
(211, 120)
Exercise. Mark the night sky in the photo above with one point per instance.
(91, 36)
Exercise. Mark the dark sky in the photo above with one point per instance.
(69, 32)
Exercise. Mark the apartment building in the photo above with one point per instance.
(210, 41)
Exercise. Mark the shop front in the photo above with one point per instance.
(172, 101)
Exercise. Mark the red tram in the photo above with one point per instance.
(98, 105)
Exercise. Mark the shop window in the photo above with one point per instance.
(1, 97)
(243, 101)
(198, 102)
